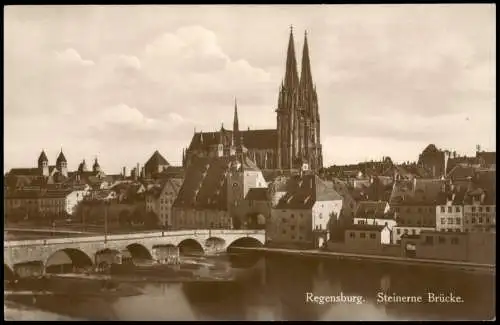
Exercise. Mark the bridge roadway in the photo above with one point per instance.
(374, 258)
(209, 241)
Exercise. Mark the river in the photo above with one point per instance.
(276, 288)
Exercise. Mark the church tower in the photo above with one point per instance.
(287, 100)
(298, 121)
(310, 140)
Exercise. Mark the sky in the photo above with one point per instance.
(119, 82)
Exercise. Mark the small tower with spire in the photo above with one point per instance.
(236, 127)
(43, 163)
(62, 164)
(96, 167)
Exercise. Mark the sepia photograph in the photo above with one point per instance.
(250, 162)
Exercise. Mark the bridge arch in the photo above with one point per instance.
(245, 242)
(190, 246)
(105, 257)
(66, 259)
(139, 251)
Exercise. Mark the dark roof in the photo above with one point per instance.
(205, 184)
(156, 160)
(36, 193)
(61, 158)
(456, 196)
(304, 191)
(486, 157)
(25, 171)
(257, 194)
(365, 227)
(461, 172)
(42, 157)
(252, 139)
(431, 148)
(371, 209)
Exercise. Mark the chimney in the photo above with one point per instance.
(414, 184)
(137, 170)
(124, 172)
(483, 196)
(142, 172)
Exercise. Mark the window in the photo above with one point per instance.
(373, 236)
(487, 220)
(480, 219)
(441, 240)
(292, 216)
(458, 221)
(321, 216)
(480, 209)
(352, 235)
(457, 209)
(450, 221)
(300, 238)
(487, 209)
(398, 231)
(406, 231)
(292, 227)
(473, 209)
(362, 235)
(450, 210)
(454, 241)
(443, 221)
(283, 220)
(414, 232)
(442, 209)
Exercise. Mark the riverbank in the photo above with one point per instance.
(458, 265)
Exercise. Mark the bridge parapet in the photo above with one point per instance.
(41, 249)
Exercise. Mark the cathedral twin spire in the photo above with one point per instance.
(291, 73)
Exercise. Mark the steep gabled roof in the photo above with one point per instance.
(304, 191)
(257, 194)
(252, 139)
(156, 160)
(371, 209)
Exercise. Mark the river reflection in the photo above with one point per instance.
(276, 287)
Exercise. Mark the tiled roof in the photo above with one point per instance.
(487, 158)
(42, 157)
(205, 184)
(34, 194)
(456, 196)
(156, 160)
(461, 172)
(61, 158)
(257, 194)
(430, 187)
(25, 171)
(365, 227)
(252, 139)
(371, 209)
(304, 191)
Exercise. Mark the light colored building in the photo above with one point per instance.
(367, 238)
(449, 213)
(374, 213)
(161, 198)
(480, 211)
(303, 215)
(41, 203)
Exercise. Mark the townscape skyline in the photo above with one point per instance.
(121, 96)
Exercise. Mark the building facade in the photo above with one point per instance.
(214, 190)
(303, 215)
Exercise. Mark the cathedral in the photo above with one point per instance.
(294, 144)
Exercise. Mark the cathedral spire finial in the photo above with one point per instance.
(291, 74)
(305, 75)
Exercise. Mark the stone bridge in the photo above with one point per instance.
(83, 250)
